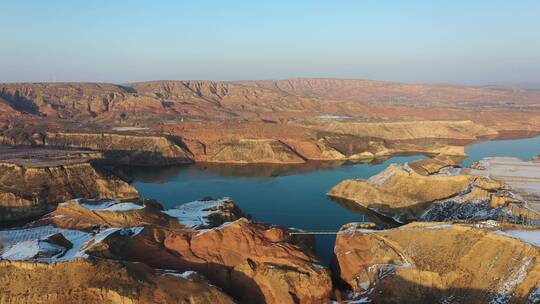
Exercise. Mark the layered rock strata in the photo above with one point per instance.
(31, 183)
(115, 147)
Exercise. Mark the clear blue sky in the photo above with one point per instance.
(472, 42)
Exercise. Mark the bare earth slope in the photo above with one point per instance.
(421, 263)
(99, 281)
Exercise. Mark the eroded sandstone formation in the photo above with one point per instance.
(440, 263)
(32, 181)
(253, 262)
(116, 147)
(430, 190)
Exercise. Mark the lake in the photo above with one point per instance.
(291, 195)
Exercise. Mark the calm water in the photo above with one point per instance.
(290, 195)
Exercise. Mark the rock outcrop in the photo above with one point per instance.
(361, 140)
(33, 184)
(118, 147)
(411, 130)
(256, 151)
(434, 191)
(260, 143)
(440, 263)
(253, 262)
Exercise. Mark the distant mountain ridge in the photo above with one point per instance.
(248, 98)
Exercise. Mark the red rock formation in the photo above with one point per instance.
(265, 122)
(255, 263)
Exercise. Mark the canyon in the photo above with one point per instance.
(79, 230)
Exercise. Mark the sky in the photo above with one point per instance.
(472, 42)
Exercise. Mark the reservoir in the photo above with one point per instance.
(292, 195)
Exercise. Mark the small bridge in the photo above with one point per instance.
(318, 232)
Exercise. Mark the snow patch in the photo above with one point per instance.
(195, 214)
(184, 275)
(534, 297)
(531, 237)
(111, 206)
(129, 128)
(30, 249)
(124, 207)
(328, 116)
(317, 266)
(509, 284)
(26, 244)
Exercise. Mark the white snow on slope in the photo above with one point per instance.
(195, 214)
(509, 284)
(528, 236)
(25, 244)
(184, 275)
(111, 206)
(29, 249)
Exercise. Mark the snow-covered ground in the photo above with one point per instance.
(528, 236)
(129, 128)
(185, 275)
(195, 214)
(328, 116)
(33, 243)
(28, 243)
(110, 206)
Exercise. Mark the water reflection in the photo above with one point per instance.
(366, 214)
(163, 174)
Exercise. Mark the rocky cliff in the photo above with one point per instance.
(253, 262)
(440, 263)
(115, 147)
(256, 143)
(33, 185)
(432, 191)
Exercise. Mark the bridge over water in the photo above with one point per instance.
(318, 232)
